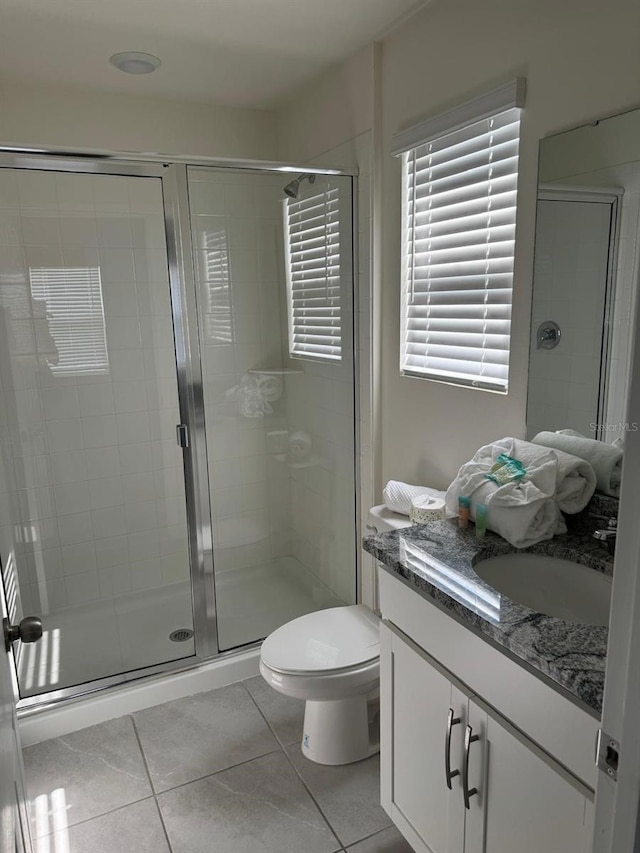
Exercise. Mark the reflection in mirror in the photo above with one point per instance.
(585, 273)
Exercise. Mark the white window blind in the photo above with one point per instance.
(459, 212)
(75, 318)
(312, 246)
(217, 287)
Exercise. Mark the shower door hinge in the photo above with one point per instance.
(182, 435)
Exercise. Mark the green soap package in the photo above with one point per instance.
(506, 469)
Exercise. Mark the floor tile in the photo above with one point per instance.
(349, 794)
(85, 774)
(137, 827)
(284, 714)
(202, 734)
(258, 807)
(387, 841)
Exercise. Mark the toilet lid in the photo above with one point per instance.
(337, 638)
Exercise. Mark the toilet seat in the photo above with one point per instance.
(325, 686)
(326, 642)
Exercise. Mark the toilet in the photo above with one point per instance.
(331, 660)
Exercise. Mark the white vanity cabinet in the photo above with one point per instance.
(519, 798)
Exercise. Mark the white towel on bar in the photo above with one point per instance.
(605, 459)
(524, 511)
(398, 496)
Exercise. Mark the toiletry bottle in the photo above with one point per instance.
(482, 513)
(464, 508)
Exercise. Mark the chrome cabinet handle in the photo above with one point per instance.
(448, 772)
(469, 738)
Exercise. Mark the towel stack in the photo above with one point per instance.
(605, 459)
(527, 510)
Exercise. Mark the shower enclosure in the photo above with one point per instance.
(177, 418)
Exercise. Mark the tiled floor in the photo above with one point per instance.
(220, 771)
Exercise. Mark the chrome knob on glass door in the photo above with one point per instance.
(28, 631)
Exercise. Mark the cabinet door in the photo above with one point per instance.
(416, 699)
(523, 803)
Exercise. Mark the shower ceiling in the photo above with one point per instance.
(243, 53)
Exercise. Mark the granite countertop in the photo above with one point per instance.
(437, 560)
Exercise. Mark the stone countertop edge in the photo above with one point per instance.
(570, 654)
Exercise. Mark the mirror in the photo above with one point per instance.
(586, 267)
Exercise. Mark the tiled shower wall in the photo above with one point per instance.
(90, 439)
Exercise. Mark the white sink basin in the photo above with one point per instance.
(549, 585)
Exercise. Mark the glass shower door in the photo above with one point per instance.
(93, 528)
(279, 424)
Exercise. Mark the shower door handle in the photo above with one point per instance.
(28, 631)
(182, 435)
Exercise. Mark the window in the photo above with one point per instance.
(312, 246)
(460, 174)
(74, 315)
(217, 287)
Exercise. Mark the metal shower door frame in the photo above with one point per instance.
(173, 179)
(189, 374)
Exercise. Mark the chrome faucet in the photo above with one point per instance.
(608, 536)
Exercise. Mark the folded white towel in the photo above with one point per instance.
(605, 459)
(575, 478)
(523, 511)
(398, 496)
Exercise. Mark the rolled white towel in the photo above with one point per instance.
(605, 459)
(270, 387)
(398, 495)
(523, 511)
(575, 478)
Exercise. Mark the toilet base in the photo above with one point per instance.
(341, 731)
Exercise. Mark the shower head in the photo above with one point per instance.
(293, 187)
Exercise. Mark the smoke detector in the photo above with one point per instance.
(134, 62)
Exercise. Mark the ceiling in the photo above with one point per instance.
(244, 53)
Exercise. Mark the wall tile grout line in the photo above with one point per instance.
(148, 772)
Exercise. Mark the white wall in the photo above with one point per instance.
(41, 116)
(581, 61)
(329, 112)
